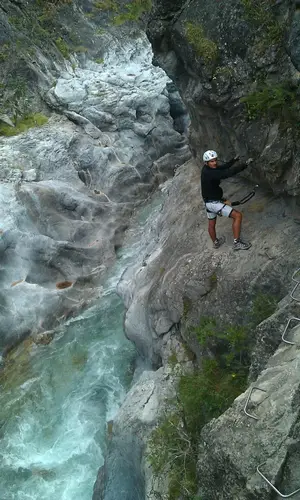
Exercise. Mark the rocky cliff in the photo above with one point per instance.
(85, 135)
(101, 138)
(180, 280)
(236, 64)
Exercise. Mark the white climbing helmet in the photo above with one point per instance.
(210, 155)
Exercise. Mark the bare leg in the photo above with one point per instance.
(212, 229)
(236, 223)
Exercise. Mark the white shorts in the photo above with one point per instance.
(217, 208)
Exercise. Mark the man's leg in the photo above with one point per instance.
(236, 223)
(212, 229)
(217, 242)
(238, 244)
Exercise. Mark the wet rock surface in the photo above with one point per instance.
(68, 188)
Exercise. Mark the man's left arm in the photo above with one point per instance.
(229, 163)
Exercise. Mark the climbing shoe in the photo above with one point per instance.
(241, 245)
(218, 242)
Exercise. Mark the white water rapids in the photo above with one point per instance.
(56, 400)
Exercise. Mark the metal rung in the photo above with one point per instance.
(285, 330)
(247, 401)
(293, 291)
(295, 273)
(272, 486)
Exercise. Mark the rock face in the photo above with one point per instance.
(68, 188)
(234, 445)
(123, 475)
(180, 278)
(236, 66)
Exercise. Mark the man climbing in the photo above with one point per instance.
(212, 194)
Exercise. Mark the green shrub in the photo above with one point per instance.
(134, 11)
(21, 125)
(106, 5)
(172, 359)
(264, 305)
(204, 47)
(187, 307)
(100, 60)
(171, 450)
(100, 31)
(57, 3)
(4, 52)
(62, 47)
(260, 14)
(80, 49)
(201, 396)
(271, 101)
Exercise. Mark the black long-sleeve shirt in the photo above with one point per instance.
(211, 178)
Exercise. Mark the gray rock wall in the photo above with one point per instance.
(218, 53)
(234, 445)
(68, 188)
(179, 279)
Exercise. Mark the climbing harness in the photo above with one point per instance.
(234, 203)
(246, 198)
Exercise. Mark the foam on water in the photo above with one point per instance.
(56, 400)
(54, 421)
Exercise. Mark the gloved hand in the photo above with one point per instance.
(250, 160)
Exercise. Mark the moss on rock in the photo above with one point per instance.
(204, 47)
(23, 124)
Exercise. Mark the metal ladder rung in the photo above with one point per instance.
(247, 401)
(293, 291)
(285, 330)
(272, 486)
(295, 274)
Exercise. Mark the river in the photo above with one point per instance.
(56, 400)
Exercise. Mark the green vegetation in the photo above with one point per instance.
(171, 451)
(21, 125)
(100, 31)
(201, 396)
(187, 306)
(4, 52)
(13, 98)
(62, 47)
(50, 9)
(134, 11)
(261, 15)
(204, 47)
(273, 102)
(56, 3)
(80, 49)
(214, 279)
(224, 72)
(172, 360)
(100, 60)
(264, 305)
(106, 5)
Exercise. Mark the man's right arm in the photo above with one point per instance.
(228, 164)
(224, 174)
